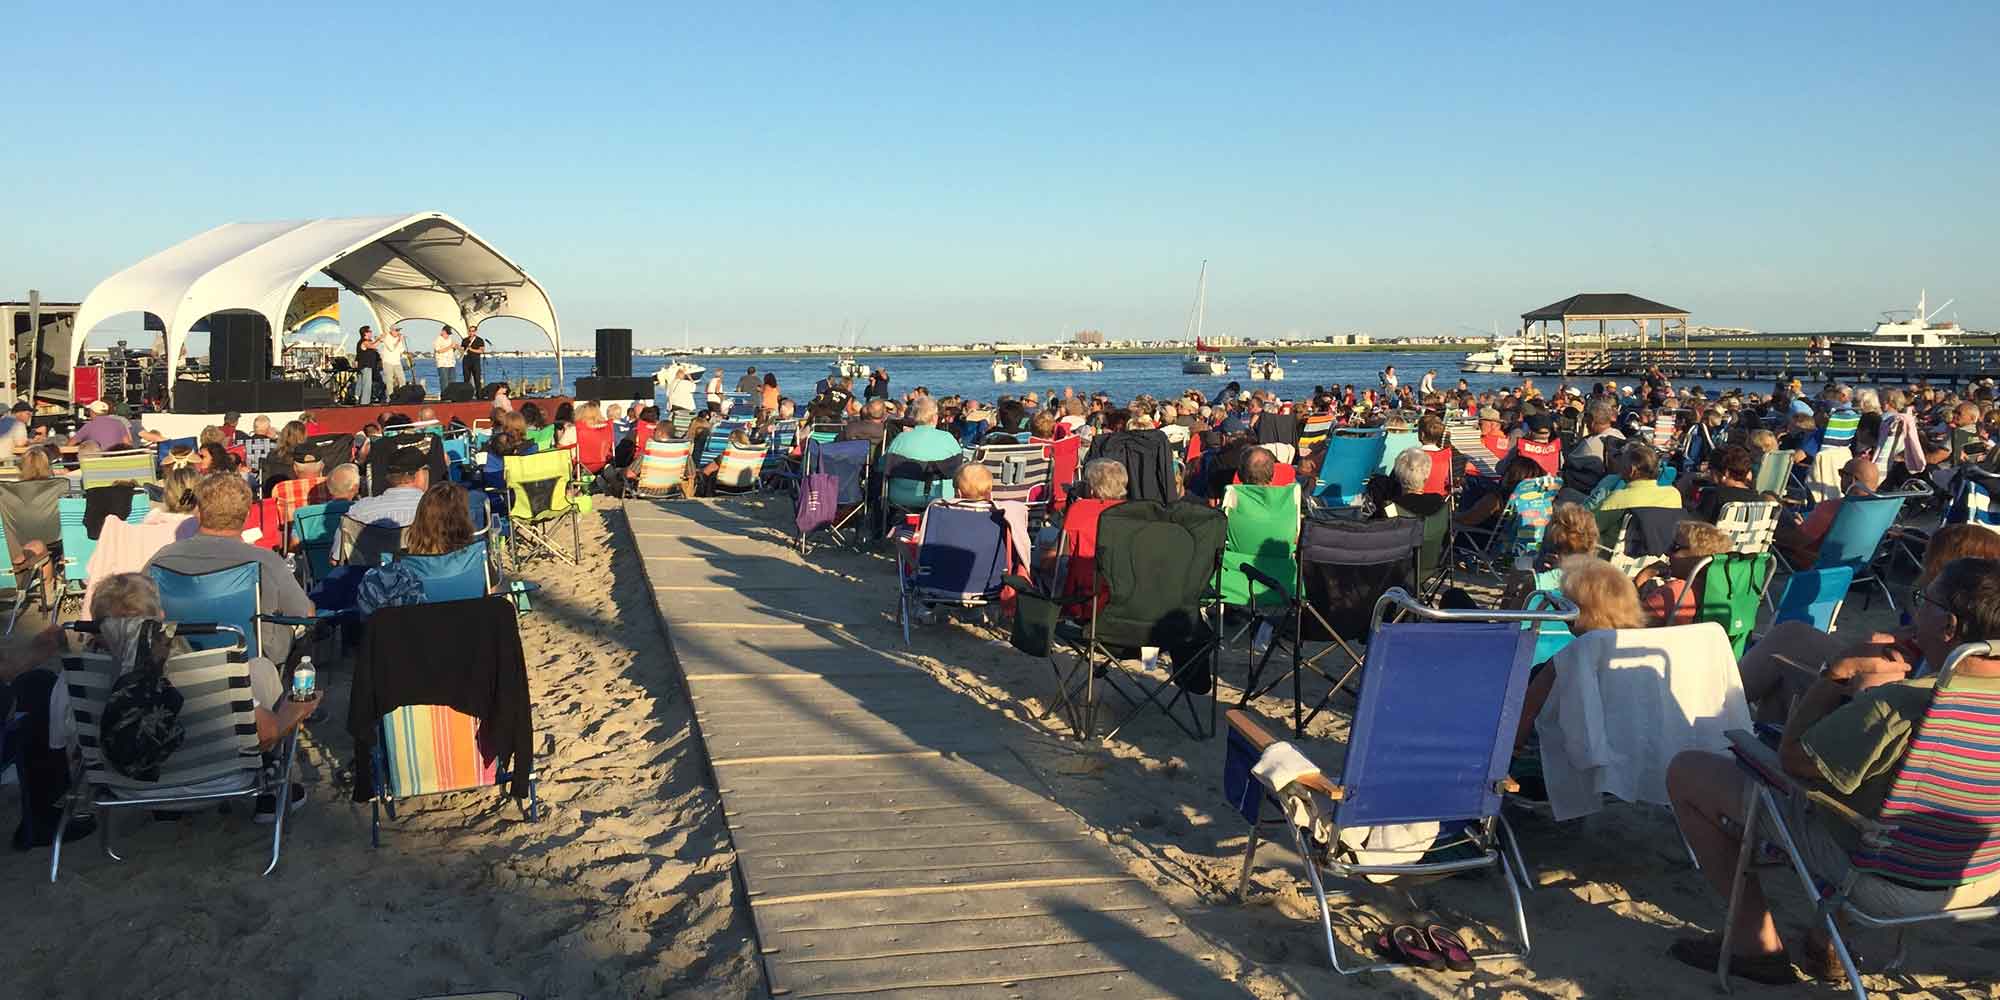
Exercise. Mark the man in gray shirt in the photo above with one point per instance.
(222, 505)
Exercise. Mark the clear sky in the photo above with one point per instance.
(1023, 171)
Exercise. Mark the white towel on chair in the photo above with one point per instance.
(1282, 764)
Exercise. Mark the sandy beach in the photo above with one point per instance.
(625, 886)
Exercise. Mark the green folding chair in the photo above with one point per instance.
(541, 500)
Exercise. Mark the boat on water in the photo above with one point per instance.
(1264, 367)
(1203, 360)
(1915, 331)
(1010, 369)
(665, 376)
(1497, 360)
(1064, 359)
(846, 366)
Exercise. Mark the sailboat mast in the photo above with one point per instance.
(1201, 302)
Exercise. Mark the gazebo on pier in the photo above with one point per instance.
(1606, 308)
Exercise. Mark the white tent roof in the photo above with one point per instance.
(421, 266)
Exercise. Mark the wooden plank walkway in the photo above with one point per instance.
(887, 841)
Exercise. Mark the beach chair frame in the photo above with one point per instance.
(1324, 800)
(915, 596)
(540, 504)
(223, 669)
(1833, 903)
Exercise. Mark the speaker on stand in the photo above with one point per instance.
(614, 353)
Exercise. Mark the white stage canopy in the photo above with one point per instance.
(421, 266)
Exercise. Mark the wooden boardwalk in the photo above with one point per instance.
(887, 841)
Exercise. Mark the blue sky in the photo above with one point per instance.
(766, 176)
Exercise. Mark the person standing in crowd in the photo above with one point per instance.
(472, 351)
(393, 350)
(878, 384)
(444, 351)
(749, 383)
(1429, 384)
(1388, 378)
(712, 395)
(680, 394)
(367, 367)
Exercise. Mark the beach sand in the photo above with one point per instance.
(624, 887)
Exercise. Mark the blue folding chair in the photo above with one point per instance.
(78, 546)
(1395, 443)
(314, 529)
(455, 576)
(959, 562)
(1351, 457)
(1857, 532)
(1412, 757)
(225, 597)
(164, 447)
(1814, 596)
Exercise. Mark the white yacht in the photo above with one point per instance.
(1264, 366)
(1916, 331)
(1497, 360)
(1010, 369)
(1066, 359)
(845, 366)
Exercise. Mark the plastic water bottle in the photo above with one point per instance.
(305, 680)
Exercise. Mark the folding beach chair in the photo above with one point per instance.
(1774, 472)
(541, 501)
(1516, 532)
(1156, 566)
(432, 749)
(1024, 473)
(78, 544)
(1314, 430)
(460, 575)
(663, 469)
(833, 490)
(264, 524)
(31, 512)
(1343, 565)
(921, 484)
(741, 470)
(218, 757)
(1857, 532)
(1413, 757)
(314, 530)
(959, 560)
(1751, 526)
(1468, 445)
(1695, 449)
(1263, 534)
(105, 469)
(594, 445)
(1938, 829)
(165, 447)
(1351, 457)
(1814, 596)
(23, 589)
(228, 597)
(366, 545)
(1728, 590)
(1394, 443)
(1639, 536)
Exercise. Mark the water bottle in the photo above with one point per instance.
(305, 680)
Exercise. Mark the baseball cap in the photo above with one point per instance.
(1540, 422)
(1488, 413)
(21, 407)
(99, 406)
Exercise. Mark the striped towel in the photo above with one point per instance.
(431, 748)
(1944, 802)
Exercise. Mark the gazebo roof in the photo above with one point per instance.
(1604, 305)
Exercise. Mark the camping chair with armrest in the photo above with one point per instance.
(1774, 472)
(1814, 596)
(834, 482)
(958, 561)
(23, 592)
(1156, 567)
(432, 749)
(1729, 590)
(1023, 473)
(740, 470)
(31, 511)
(594, 443)
(1468, 445)
(365, 545)
(1936, 830)
(266, 519)
(1351, 457)
(1263, 534)
(541, 502)
(78, 546)
(1343, 564)
(1638, 536)
(922, 483)
(1412, 757)
(218, 759)
(108, 467)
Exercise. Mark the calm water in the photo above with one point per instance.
(1124, 376)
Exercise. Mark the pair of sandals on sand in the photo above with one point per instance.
(1433, 947)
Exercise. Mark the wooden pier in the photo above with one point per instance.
(1893, 365)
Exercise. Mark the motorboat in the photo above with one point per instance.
(1264, 366)
(1916, 331)
(1065, 359)
(1010, 369)
(1498, 360)
(845, 366)
(665, 376)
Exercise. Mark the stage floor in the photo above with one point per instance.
(346, 419)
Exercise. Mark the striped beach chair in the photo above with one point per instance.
(428, 750)
(110, 467)
(663, 469)
(741, 469)
(1938, 829)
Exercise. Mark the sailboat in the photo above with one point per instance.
(1203, 360)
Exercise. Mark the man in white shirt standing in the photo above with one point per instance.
(393, 350)
(713, 393)
(444, 350)
(1429, 384)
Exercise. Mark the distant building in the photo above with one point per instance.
(1349, 339)
(1090, 336)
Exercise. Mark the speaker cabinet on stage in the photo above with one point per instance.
(614, 353)
(239, 347)
(601, 388)
(238, 397)
(457, 392)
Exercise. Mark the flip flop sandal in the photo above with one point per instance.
(1405, 943)
(1448, 943)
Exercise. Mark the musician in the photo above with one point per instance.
(474, 351)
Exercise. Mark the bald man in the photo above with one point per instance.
(1800, 538)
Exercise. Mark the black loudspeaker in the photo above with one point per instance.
(601, 388)
(239, 397)
(239, 348)
(614, 353)
(314, 397)
(277, 396)
(457, 392)
(408, 394)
